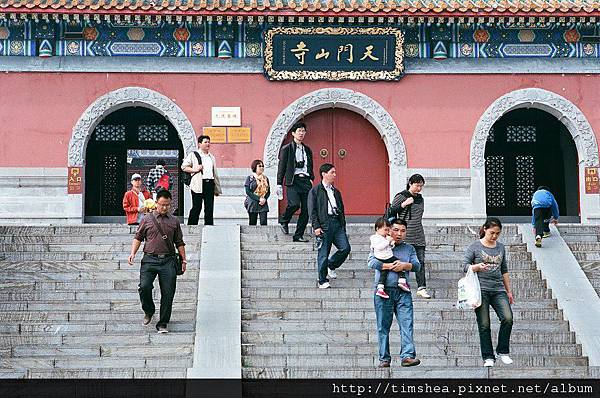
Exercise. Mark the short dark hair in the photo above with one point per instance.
(415, 179)
(545, 188)
(255, 164)
(161, 162)
(382, 222)
(298, 125)
(202, 138)
(398, 221)
(164, 193)
(325, 167)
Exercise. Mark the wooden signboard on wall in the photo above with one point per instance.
(592, 184)
(75, 180)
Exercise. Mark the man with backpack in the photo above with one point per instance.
(204, 182)
(159, 178)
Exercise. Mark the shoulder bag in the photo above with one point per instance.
(169, 242)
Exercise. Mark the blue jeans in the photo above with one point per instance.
(500, 304)
(335, 235)
(399, 303)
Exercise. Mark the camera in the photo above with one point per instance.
(299, 164)
(318, 242)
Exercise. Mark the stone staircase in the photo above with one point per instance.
(291, 329)
(69, 306)
(584, 242)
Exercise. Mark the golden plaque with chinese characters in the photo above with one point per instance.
(333, 53)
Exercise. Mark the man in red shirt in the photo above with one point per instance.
(133, 201)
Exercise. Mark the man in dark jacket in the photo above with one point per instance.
(329, 223)
(296, 169)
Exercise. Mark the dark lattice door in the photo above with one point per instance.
(523, 151)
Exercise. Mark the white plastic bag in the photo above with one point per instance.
(469, 292)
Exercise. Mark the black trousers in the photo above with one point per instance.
(167, 280)
(541, 220)
(254, 217)
(297, 198)
(208, 196)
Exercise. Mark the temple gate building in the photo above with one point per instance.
(486, 99)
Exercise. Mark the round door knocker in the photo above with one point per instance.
(324, 152)
(342, 153)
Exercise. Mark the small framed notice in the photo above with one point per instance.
(226, 116)
(237, 135)
(218, 135)
(75, 180)
(592, 184)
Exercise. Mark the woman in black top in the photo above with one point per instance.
(409, 206)
(257, 193)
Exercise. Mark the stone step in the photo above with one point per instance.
(500, 371)
(124, 238)
(342, 282)
(74, 316)
(108, 373)
(87, 306)
(436, 328)
(77, 247)
(473, 230)
(110, 279)
(579, 229)
(427, 331)
(425, 349)
(344, 313)
(309, 292)
(361, 264)
(362, 245)
(78, 256)
(370, 361)
(577, 238)
(432, 241)
(85, 296)
(358, 255)
(266, 276)
(34, 330)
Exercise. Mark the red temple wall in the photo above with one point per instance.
(436, 114)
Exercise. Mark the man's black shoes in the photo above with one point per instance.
(284, 228)
(300, 239)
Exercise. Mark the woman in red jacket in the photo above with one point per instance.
(133, 201)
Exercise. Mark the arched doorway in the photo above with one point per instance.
(353, 145)
(527, 148)
(570, 116)
(127, 141)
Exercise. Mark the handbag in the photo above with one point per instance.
(469, 292)
(169, 242)
(186, 177)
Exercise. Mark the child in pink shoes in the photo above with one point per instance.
(381, 244)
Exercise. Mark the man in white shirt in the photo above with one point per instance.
(205, 183)
(326, 210)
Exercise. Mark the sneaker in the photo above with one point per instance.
(384, 364)
(538, 241)
(506, 359)
(410, 362)
(325, 285)
(423, 294)
(147, 319)
(381, 293)
(546, 234)
(162, 329)
(331, 273)
(488, 363)
(403, 285)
